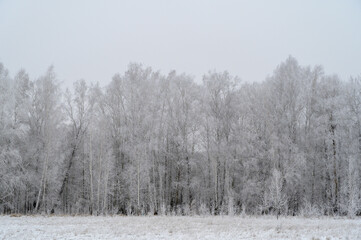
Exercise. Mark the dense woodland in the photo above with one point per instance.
(149, 143)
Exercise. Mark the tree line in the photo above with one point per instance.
(149, 143)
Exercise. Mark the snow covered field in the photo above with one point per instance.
(157, 227)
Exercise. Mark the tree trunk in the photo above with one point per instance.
(99, 177)
(91, 172)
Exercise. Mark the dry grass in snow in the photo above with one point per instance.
(157, 227)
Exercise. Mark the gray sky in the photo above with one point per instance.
(95, 39)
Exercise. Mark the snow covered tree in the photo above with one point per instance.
(149, 143)
(276, 198)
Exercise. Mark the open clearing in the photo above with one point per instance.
(157, 227)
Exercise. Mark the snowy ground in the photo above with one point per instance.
(29, 227)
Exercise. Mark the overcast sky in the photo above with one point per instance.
(96, 39)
